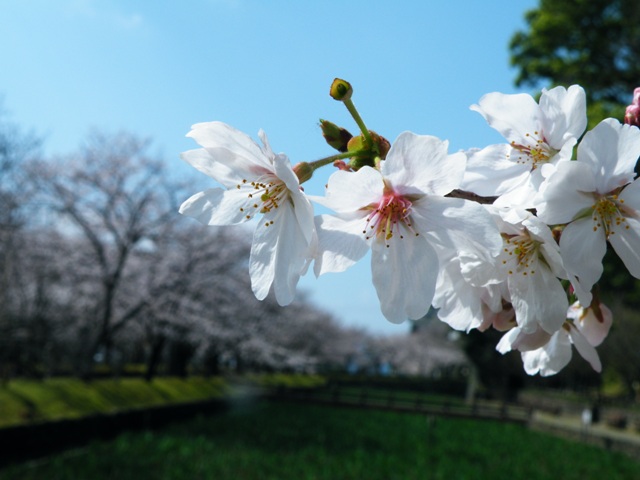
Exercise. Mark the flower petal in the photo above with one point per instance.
(222, 135)
(625, 240)
(551, 358)
(490, 172)
(449, 220)
(421, 162)
(538, 299)
(404, 275)
(278, 255)
(204, 162)
(582, 251)
(231, 147)
(585, 349)
(595, 330)
(631, 196)
(507, 340)
(611, 150)
(303, 209)
(568, 192)
(514, 116)
(351, 191)
(517, 339)
(459, 303)
(283, 170)
(564, 114)
(340, 244)
(216, 206)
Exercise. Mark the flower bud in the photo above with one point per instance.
(382, 144)
(335, 136)
(367, 154)
(356, 144)
(303, 171)
(340, 90)
(632, 113)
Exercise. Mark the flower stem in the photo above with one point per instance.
(342, 90)
(304, 170)
(327, 160)
(356, 116)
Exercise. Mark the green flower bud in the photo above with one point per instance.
(367, 154)
(380, 145)
(340, 90)
(335, 136)
(364, 155)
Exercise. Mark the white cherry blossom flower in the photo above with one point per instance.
(547, 354)
(539, 136)
(470, 288)
(557, 352)
(460, 304)
(599, 199)
(593, 325)
(532, 268)
(400, 212)
(257, 182)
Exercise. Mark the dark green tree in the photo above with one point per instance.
(593, 43)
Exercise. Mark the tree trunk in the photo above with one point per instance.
(155, 355)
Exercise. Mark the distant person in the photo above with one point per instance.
(586, 418)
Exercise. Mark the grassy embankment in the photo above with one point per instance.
(279, 441)
(24, 401)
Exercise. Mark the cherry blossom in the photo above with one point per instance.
(257, 182)
(539, 135)
(532, 267)
(594, 322)
(547, 354)
(599, 200)
(424, 216)
(470, 288)
(401, 214)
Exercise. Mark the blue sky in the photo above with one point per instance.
(154, 68)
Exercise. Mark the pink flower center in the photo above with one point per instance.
(390, 216)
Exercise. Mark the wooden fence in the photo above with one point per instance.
(401, 401)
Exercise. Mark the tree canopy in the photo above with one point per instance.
(593, 43)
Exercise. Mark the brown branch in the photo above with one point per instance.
(471, 196)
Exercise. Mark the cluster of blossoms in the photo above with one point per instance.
(510, 237)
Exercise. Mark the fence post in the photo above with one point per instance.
(363, 396)
(503, 411)
(418, 405)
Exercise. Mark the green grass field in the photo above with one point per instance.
(281, 441)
